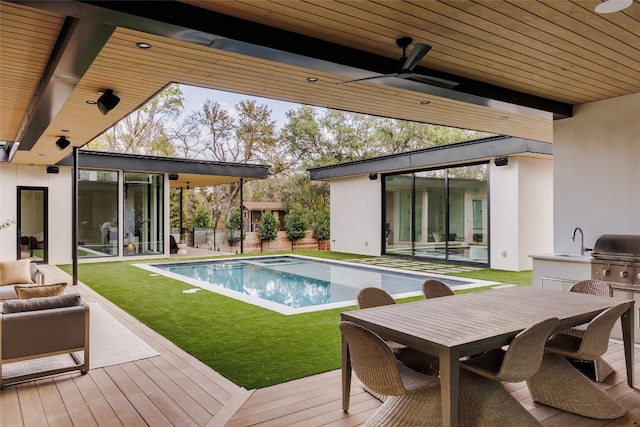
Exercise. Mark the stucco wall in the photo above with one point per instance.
(597, 172)
(59, 209)
(521, 211)
(356, 216)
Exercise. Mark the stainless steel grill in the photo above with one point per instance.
(616, 259)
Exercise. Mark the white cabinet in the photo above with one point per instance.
(560, 271)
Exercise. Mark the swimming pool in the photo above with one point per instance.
(294, 284)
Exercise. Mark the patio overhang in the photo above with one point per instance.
(462, 152)
(191, 173)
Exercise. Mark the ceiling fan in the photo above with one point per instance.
(406, 64)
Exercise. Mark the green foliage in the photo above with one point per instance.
(295, 224)
(321, 225)
(201, 217)
(234, 225)
(268, 226)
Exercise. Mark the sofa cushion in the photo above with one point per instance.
(15, 272)
(39, 291)
(32, 304)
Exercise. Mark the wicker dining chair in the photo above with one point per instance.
(560, 385)
(433, 288)
(593, 342)
(520, 360)
(422, 362)
(411, 398)
(592, 287)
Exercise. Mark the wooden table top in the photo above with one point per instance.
(458, 321)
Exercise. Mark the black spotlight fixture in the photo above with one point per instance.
(62, 143)
(53, 169)
(107, 101)
(501, 161)
(373, 176)
(173, 177)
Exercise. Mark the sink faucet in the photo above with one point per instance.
(573, 237)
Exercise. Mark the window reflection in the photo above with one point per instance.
(97, 213)
(438, 214)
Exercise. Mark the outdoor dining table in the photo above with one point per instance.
(462, 325)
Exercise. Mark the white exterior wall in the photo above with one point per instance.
(597, 172)
(521, 206)
(503, 215)
(59, 204)
(59, 211)
(356, 221)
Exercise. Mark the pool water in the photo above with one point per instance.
(291, 284)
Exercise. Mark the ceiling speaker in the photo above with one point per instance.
(62, 143)
(107, 101)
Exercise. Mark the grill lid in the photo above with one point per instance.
(616, 246)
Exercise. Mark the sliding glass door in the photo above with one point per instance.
(438, 214)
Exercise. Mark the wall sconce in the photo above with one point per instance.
(53, 169)
(62, 143)
(501, 161)
(173, 177)
(107, 101)
(373, 176)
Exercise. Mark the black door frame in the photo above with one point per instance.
(45, 230)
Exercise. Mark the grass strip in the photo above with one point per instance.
(251, 346)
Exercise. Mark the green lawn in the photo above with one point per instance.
(251, 346)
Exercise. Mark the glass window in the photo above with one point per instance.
(97, 213)
(438, 214)
(143, 213)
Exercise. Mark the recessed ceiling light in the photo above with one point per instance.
(425, 102)
(312, 79)
(504, 117)
(90, 102)
(64, 130)
(610, 6)
(143, 45)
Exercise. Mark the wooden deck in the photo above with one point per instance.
(175, 389)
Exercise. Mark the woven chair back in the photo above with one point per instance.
(524, 354)
(372, 360)
(374, 297)
(434, 288)
(592, 287)
(595, 341)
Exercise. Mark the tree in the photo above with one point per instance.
(234, 226)
(146, 130)
(267, 227)
(201, 218)
(295, 224)
(321, 225)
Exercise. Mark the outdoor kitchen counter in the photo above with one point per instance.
(559, 270)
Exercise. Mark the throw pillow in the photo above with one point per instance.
(15, 272)
(39, 291)
(21, 305)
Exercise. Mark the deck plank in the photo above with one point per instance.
(176, 389)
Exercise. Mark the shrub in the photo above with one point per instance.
(296, 225)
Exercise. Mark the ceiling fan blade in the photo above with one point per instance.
(367, 78)
(417, 53)
(433, 81)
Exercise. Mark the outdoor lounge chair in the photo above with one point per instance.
(427, 364)
(433, 288)
(40, 327)
(560, 385)
(413, 399)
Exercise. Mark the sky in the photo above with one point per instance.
(195, 97)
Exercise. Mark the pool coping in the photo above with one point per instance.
(284, 309)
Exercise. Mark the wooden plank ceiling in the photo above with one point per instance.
(558, 51)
